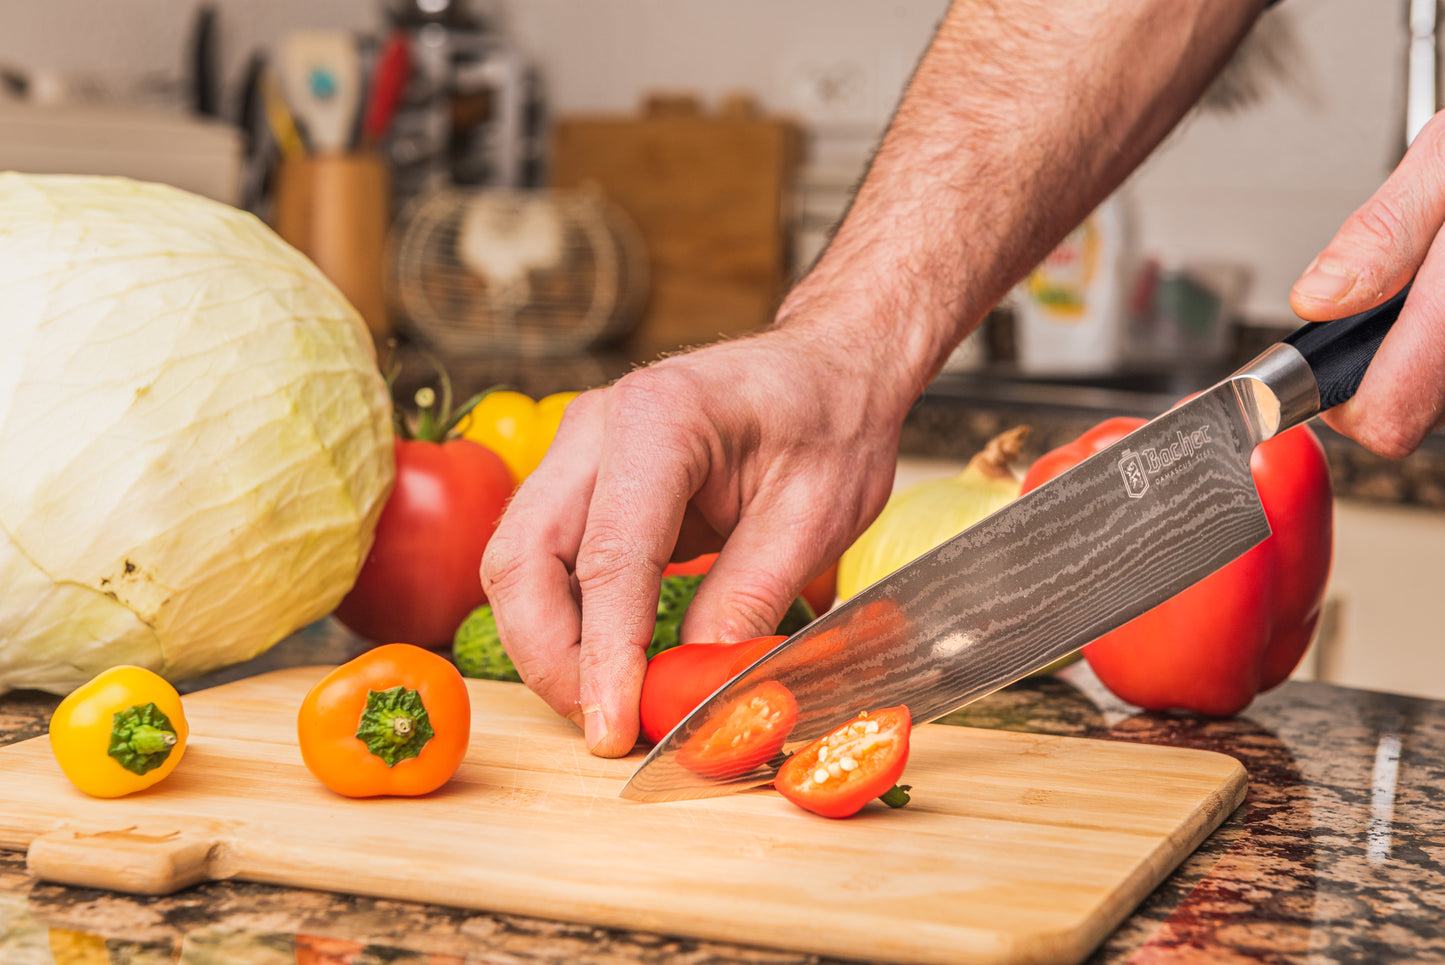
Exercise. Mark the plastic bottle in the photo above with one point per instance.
(1072, 311)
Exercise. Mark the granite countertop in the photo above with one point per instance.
(1336, 854)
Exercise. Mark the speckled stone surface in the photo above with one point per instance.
(1335, 856)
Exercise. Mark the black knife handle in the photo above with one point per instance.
(1339, 351)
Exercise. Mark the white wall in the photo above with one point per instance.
(1266, 187)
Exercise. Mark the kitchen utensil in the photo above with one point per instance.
(321, 77)
(1100, 544)
(1016, 847)
(388, 82)
(260, 146)
(279, 117)
(203, 63)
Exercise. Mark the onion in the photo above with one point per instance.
(929, 513)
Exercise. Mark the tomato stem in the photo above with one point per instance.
(394, 725)
(141, 738)
(896, 796)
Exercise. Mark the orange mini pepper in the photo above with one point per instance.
(394, 721)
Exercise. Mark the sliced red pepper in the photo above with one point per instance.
(747, 733)
(850, 765)
(681, 678)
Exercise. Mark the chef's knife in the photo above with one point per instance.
(1103, 542)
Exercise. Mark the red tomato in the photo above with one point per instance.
(420, 579)
(850, 765)
(1244, 628)
(745, 734)
(681, 678)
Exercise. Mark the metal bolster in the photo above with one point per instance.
(1277, 390)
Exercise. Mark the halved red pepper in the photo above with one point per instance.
(850, 765)
(745, 734)
(681, 678)
(1243, 629)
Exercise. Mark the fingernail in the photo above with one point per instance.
(1324, 283)
(594, 725)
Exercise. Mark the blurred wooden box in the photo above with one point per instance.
(709, 193)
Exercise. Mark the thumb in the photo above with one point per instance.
(1383, 243)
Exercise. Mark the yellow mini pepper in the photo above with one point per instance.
(121, 732)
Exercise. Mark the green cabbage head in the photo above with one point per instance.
(195, 439)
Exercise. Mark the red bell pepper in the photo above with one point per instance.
(679, 679)
(1243, 629)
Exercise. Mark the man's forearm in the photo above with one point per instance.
(1021, 117)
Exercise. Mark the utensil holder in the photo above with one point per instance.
(334, 208)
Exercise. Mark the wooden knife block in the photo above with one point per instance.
(709, 195)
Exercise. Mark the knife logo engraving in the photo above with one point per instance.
(1137, 467)
(1136, 480)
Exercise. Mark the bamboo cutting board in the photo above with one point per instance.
(1016, 847)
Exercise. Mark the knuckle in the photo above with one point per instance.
(650, 391)
(503, 564)
(545, 680)
(1389, 439)
(1380, 226)
(755, 608)
(601, 663)
(662, 408)
(608, 555)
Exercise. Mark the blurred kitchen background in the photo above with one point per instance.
(544, 193)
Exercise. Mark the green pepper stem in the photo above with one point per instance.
(394, 724)
(141, 738)
(146, 739)
(896, 796)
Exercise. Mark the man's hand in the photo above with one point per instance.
(1391, 238)
(785, 447)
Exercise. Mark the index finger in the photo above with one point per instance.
(649, 471)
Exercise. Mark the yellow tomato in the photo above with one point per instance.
(515, 427)
(121, 732)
